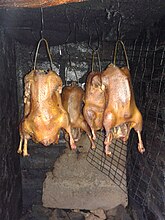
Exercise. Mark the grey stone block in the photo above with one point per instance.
(75, 184)
(118, 213)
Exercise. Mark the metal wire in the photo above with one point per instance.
(40, 41)
(90, 37)
(48, 52)
(42, 22)
(66, 47)
(119, 28)
(113, 167)
(125, 53)
(66, 75)
(93, 60)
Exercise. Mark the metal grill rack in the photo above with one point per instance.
(114, 166)
(143, 173)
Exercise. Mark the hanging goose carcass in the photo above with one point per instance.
(121, 111)
(94, 102)
(72, 100)
(44, 114)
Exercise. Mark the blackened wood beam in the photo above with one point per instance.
(34, 3)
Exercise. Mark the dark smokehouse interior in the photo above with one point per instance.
(82, 110)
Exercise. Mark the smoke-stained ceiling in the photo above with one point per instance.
(81, 21)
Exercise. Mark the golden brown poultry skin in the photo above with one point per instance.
(44, 114)
(94, 102)
(121, 110)
(72, 100)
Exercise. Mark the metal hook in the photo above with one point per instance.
(119, 28)
(75, 25)
(69, 34)
(66, 74)
(90, 39)
(125, 53)
(83, 21)
(93, 60)
(85, 18)
(75, 30)
(119, 22)
(48, 52)
(42, 22)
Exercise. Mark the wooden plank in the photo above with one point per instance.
(34, 3)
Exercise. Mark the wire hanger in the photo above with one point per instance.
(119, 27)
(70, 22)
(40, 41)
(90, 38)
(93, 60)
(67, 68)
(125, 53)
(95, 50)
(42, 22)
(119, 41)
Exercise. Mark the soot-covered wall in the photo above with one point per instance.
(10, 178)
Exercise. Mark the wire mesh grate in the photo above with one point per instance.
(115, 166)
